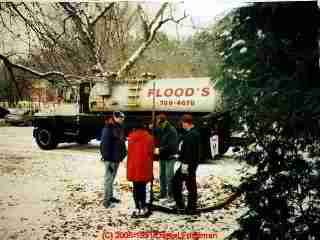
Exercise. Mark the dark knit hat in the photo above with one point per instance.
(119, 114)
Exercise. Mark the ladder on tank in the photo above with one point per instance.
(134, 87)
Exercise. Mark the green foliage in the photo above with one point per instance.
(170, 57)
(205, 53)
(263, 49)
(270, 80)
(283, 196)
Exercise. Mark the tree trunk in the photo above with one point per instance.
(319, 36)
(150, 31)
(12, 76)
(133, 59)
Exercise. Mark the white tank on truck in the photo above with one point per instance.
(170, 95)
(82, 118)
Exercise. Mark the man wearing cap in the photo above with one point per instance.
(167, 150)
(189, 156)
(113, 151)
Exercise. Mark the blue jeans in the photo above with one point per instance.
(166, 177)
(111, 169)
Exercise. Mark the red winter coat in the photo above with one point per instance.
(140, 153)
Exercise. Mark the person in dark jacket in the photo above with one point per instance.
(167, 151)
(113, 151)
(140, 166)
(189, 156)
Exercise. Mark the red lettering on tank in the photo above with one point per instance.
(168, 92)
(205, 92)
(158, 93)
(178, 92)
(189, 92)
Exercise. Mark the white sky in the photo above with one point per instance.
(202, 12)
(209, 8)
(206, 8)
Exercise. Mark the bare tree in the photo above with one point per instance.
(76, 38)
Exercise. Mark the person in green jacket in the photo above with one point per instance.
(167, 151)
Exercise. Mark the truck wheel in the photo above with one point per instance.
(45, 139)
(224, 148)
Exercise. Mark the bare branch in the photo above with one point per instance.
(86, 37)
(180, 19)
(63, 27)
(14, 7)
(159, 13)
(5, 26)
(144, 21)
(111, 5)
(86, 44)
(45, 75)
(152, 30)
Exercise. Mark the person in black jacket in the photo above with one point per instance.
(189, 157)
(167, 150)
(113, 151)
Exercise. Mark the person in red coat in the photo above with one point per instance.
(140, 166)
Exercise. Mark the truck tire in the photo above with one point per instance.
(224, 148)
(46, 139)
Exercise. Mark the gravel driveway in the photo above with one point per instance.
(57, 194)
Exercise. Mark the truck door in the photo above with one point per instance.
(84, 97)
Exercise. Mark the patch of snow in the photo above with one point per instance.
(243, 50)
(260, 34)
(225, 33)
(237, 43)
(227, 56)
